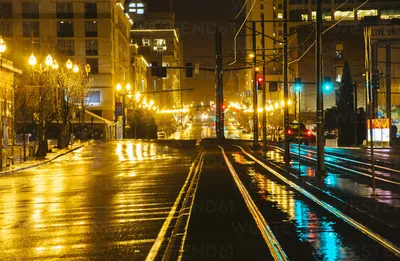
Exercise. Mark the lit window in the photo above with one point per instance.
(140, 5)
(390, 13)
(339, 73)
(140, 11)
(132, 5)
(146, 42)
(362, 13)
(280, 16)
(326, 16)
(304, 17)
(132, 10)
(160, 45)
(344, 15)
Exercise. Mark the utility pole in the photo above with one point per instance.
(320, 102)
(219, 126)
(286, 156)
(264, 97)
(389, 90)
(255, 91)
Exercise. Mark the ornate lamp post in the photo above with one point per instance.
(123, 93)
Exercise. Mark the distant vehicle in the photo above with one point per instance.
(306, 135)
(161, 135)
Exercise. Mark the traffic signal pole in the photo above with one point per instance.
(255, 90)
(320, 102)
(219, 126)
(264, 93)
(286, 156)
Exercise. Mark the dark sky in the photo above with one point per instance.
(197, 21)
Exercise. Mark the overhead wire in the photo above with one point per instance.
(309, 48)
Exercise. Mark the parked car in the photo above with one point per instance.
(306, 135)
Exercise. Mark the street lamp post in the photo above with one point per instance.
(3, 47)
(123, 93)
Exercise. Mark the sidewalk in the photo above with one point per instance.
(32, 161)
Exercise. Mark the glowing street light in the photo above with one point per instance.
(3, 45)
(69, 64)
(118, 87)
(49, 60)
(128, 87)
(137, 96)
(32, 60)
(55, 65)
(76, 68)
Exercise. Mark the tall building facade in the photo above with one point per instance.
(342, 41)
(90, 32)
(158, 43)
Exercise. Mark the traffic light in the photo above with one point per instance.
(260, 81)
(189, 70)
(327, 85)
(375, 79)
(297, 85)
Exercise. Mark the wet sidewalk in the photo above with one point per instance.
(32, 161)
(221, 227)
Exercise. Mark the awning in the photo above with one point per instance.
(98, 119)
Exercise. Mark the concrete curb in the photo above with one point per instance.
(41, 163)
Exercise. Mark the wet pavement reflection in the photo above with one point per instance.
(327, 236)
(107, 201)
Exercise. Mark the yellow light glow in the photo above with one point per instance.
(3, 45)
(128, 87)
(289, 102)
(257, 69)
(118, 87)
(282, 103)
(151, 103)
(32, 60)
(55, 65)
(251, 55)
(276, 105)
(137, 96)
(69, 64)
(49, 60)
(76, 68)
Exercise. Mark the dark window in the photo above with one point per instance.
(91, 47)
(6, 28)
(65, 10)
(6, 11)
(93, 97)
(66, 47)
(65, 29)
(30, 29)
(90, 10)
(30, 10)
(94, 65)
(91, 28)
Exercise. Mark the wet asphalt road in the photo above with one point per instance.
(106, 201)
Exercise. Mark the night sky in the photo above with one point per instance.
(197, 22)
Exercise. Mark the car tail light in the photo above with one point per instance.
(308, 133)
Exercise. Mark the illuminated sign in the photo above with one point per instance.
(385, 32)
(380, 130)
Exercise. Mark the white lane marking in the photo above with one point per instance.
(376, 237)
(266, 232)
(161, 235)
